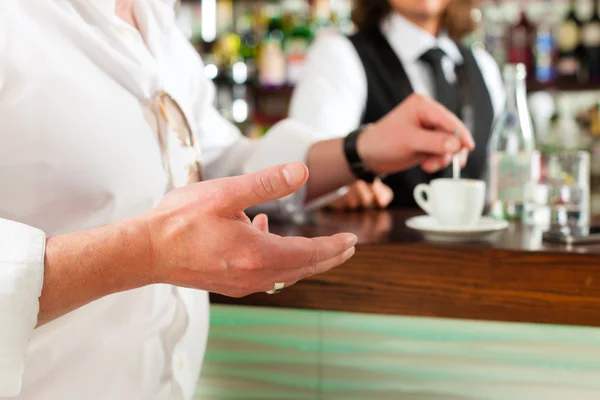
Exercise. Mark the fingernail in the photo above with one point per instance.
(294, 174)
(435, 166)
(350, 240)
(349, 253)
(388, 198)
(451, 145)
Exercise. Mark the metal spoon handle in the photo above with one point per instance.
(456, 160)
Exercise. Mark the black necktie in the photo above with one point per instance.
(444, 91)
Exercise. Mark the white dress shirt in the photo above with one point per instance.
(78, 150)
(332, 94)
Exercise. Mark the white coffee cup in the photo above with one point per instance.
(457, 202)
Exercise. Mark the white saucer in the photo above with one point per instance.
(431, 228)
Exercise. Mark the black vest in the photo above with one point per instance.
(388, 85)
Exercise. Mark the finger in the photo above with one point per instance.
(298, 252)
(261, 222)
(352, 199)
(338, 204)
(435, 142)
(331, 263)
(364, 194)
(290, 278)
(383, 194)
(244, 191)
(432, 113)
(436, 163)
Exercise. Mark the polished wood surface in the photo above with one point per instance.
(510, 276)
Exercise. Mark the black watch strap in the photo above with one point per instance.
(351, 152)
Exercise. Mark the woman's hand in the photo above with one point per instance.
(201, 238)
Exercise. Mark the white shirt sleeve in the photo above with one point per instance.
(332, 93)
(492, 77)
(287, 141)
(21, 277)
(226, 152)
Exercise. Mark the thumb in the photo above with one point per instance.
(244, 191)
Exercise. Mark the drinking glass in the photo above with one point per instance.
(560, 199)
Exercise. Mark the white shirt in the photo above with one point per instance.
(77, 150)
(332, 94)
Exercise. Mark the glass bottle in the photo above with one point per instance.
(514, 160)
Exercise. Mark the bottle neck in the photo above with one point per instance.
(516, 93)
(572, 9)
(517, 107)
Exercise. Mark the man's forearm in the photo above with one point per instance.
(328, 168)
(85, 266)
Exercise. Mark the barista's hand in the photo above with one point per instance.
(419, 131)
(364, 195)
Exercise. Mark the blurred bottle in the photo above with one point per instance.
(296, 47)
(249, 43)
(228, 52)
(495, 29)
(323, 19)
(514, 160)
(272, 65)
(545, 50)
(568, 39)
(521, 37)
(595, 153)
(590, 40)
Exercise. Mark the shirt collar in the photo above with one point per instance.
(161, 11)
(410, 42)
(108, 7)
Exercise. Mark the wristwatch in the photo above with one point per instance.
(357, 166)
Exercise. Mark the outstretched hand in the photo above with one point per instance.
(200, 236)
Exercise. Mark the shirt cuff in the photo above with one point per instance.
(287, 141)
(21, 277)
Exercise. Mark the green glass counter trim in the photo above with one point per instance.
(301, 354)
(496, 337)
(408, 327)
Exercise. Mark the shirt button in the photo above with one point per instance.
(181, 364)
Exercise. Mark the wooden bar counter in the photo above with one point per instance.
(511, 276)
